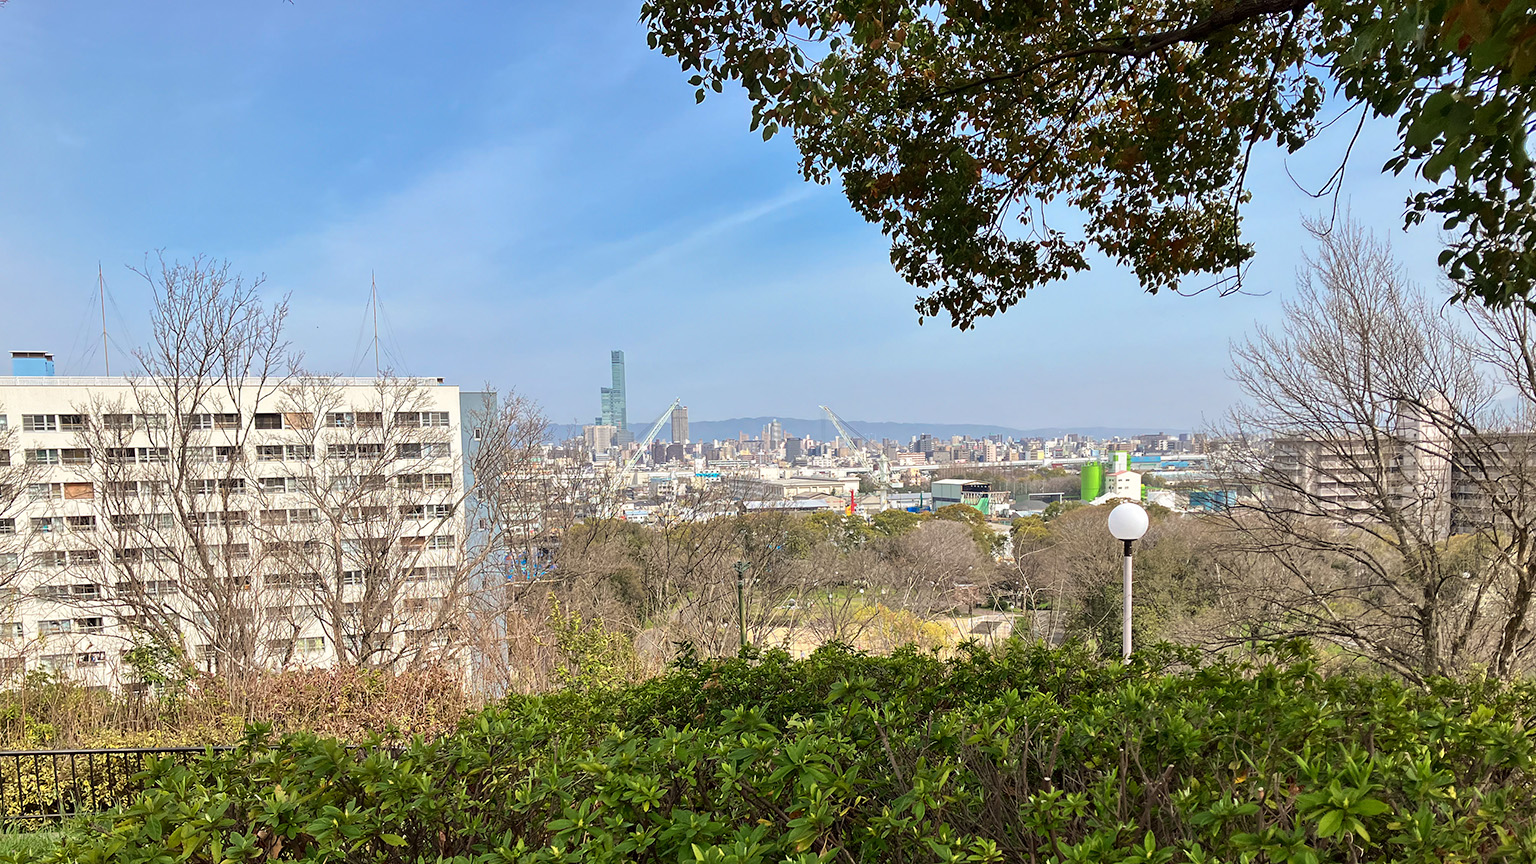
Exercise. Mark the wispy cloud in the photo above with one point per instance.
(669, 252)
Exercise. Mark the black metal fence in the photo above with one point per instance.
(54, 784)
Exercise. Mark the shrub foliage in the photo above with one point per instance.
(1024, 755)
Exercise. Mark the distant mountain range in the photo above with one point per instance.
(875, 430)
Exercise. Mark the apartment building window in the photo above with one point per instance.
(354, 451)
(82, 557)
(209, 486)
(47, 524)
(274, 484)
(422, 574)
(417, 419)
(299, 452)
(427, 511)
(75, 456)
(226, 421)
(7, 526)
(117, 421)
(438, 481)
(298, 420)
(93, 658)
(367, 514)
(340, 419)
(441, 541)
(218, 518)
(12, 630)
(88, 625)
(48, 456)
(5, 458)
(51, 592)
(57, 662)
(11, 666)
(233, 551)
(55, 626)
(434, 418)
(366, 482)
(81, 524)
(72, 422)
(199, 421)
(79, 491)
(311, 644)
(424, 450)
(148, 588)
(269, 453)
(150, 421)
(413, 543)
(39, 423)
(268, 420)
(5, 422)
(351, 577)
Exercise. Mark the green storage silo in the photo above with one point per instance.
(1093, 480)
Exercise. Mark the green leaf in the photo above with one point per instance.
(1329, 824)
(1370, 807)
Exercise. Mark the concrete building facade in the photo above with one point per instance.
(291, 524)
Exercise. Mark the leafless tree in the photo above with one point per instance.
(18, 474)
(167, 465)
(1370, 438)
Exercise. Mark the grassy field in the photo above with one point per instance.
(29, 842)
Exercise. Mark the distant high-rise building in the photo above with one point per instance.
(680, 424)
(793, 452)
(599, 437)
(773, 435)
(615, 403)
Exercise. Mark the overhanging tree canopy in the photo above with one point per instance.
(955, 124)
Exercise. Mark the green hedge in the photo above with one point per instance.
(1027, 755)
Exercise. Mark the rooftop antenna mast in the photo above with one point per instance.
(377, 371)
(101, 290)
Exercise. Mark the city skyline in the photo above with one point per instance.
(517, 234)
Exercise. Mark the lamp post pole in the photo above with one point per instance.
(741, 601)
(1127, 522)
(1125, 611)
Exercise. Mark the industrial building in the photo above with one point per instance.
(1100, 482)
(973, 493)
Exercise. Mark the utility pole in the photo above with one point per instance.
(741, 602)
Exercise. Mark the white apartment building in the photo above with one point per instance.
(253, 524)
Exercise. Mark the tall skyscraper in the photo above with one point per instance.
(615, 404)
(680, 424)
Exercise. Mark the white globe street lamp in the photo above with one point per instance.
(1128, 522)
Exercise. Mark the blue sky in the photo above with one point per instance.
(532, 187)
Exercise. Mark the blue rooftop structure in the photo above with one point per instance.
(32, 364)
